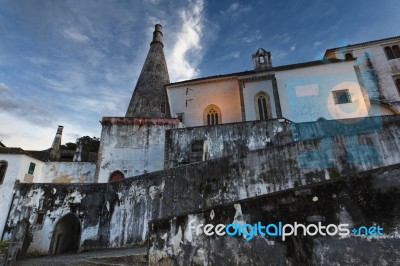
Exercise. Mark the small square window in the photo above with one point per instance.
(180, 116)
(40, 218)
(31, 168)
(342, 97)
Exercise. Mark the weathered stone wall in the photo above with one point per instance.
(355, 126)
(239, 138)
(68, 172)
(367, 199)
(226, 139)
(133, 146)
(117, 214)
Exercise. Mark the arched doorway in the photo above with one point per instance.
(116, 175)
(66, 235)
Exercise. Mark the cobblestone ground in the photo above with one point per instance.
(131, 256)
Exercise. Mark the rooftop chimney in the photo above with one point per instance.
(54, 154)
(150, 98)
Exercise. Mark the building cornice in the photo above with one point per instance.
(138, 121)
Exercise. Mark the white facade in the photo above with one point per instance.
(306, 93)
(250, 92)
(17, 169)
(193, 97)
(371, 57)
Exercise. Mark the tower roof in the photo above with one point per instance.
(150, 98)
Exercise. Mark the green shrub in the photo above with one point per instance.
(4, 245)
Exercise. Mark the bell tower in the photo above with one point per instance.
(262, 60)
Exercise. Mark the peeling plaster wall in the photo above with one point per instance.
(7, 187)
(116, 214)
(239, 138)
(367, 199)
(56, 201)
(226, 139)
(18, 166)
(68, 172)
(133, 149)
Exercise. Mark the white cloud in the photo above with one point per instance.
(31, 136)
(233, 7)
(187, 50)
(235, 54)
(278, 55)
(154, 2)
(75, 35)
(4, 87)
(317, 43)
(293, 48)
(285, 37)
(255, 37)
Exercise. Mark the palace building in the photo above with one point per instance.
(266, 139)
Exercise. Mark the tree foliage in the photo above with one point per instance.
(89, 144)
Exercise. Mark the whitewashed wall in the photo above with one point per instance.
(385, 69)
(223, 93)
(18, 165)
(250, 90)
(131, 149)
(306, 93)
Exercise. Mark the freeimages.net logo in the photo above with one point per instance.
(279, 229)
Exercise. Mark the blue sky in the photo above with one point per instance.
(72, 62)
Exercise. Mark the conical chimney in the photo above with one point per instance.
(150, 98)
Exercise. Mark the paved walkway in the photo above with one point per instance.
(128, 256)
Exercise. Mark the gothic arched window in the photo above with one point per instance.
(3, 169)
(263, 106)
(212, 115)
(391, 52)
(396, 51)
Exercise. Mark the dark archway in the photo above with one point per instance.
(22, 236)
(116, 175)
(66, 235)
